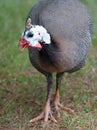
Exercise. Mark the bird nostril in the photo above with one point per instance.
(30, 34)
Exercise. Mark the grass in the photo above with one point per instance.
(20, 97)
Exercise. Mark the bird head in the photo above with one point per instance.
(33, 35)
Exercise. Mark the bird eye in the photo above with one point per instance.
(30, 34)
(38, 33)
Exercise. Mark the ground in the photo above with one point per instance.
(22, 95)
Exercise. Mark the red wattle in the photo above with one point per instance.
(38, 45)
(24, 41)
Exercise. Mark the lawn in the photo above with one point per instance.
(20, 85)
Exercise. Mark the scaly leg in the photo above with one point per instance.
(57, 97)
(46, 113)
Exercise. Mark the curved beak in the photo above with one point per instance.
(23, 43)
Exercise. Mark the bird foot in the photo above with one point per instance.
(59, 106)
(45, 115)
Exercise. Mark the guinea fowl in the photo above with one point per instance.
(58, 36)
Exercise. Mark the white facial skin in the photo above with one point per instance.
(37, 34)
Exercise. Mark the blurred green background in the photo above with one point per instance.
(20, 85)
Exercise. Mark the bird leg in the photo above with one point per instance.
(46, 113)
(57, 104)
